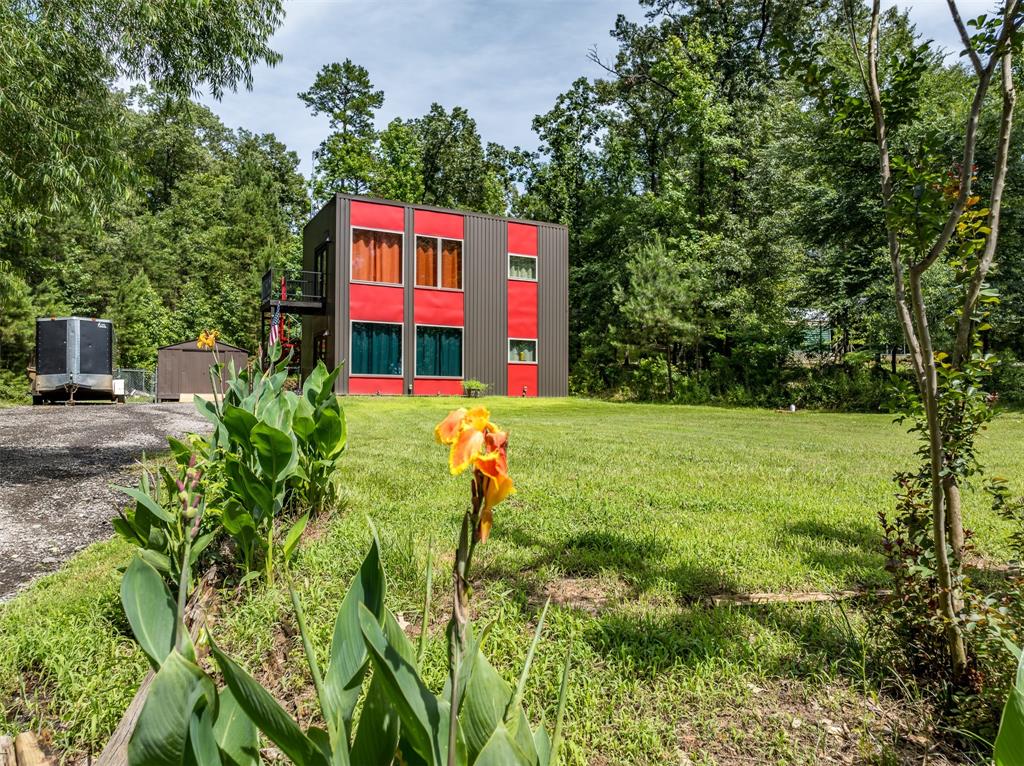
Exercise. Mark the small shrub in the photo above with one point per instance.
(474, 388)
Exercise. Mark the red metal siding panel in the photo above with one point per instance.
(439, 224)
(522, 238)
(358, 384)
(376, 303)
(522, 309)
(374, 216)
(435, 386)
(439, 307)
(520, 375)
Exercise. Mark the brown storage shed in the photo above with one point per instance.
(185, 369)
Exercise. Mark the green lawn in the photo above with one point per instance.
(626, 515)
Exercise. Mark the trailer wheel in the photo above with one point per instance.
(36, 400)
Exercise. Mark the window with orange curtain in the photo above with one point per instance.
(439, 263)
(376, 256)
(451, 264)
(426, 261)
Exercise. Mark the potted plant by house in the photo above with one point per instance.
(474, 388)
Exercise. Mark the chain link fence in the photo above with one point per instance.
(137, 383)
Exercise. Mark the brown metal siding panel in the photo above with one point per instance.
(342, 265)
(187, 370)
(553, 310)
(313, 233)
(486, 282)
(409, 278)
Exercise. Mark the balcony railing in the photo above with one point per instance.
(299, 291)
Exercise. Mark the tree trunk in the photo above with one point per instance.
(892, 361)
(668, 368)
(954, 516)
(949, 602)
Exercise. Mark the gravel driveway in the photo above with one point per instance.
(56, 465)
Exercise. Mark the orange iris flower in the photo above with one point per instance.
(476, 441)
(207, 340)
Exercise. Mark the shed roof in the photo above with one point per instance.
(190, 345)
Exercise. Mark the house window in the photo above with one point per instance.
(376, 348)
(438, 263)
(439, 352)
(522, 267)
(522, 350)
(377, 256)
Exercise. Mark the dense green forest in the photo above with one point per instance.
(726, 241)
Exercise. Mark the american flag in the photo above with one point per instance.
(275, 319)
(275, 328)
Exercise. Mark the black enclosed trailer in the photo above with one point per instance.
(74, 360)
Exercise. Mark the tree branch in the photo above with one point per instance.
(970, 141)
(964, 37)
(965, 325)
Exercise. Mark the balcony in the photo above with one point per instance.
(295, 292)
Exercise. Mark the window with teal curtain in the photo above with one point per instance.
(376, 349)
(439, 352)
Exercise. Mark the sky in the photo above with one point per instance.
(504, 60)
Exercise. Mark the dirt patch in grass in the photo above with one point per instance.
(782, 722)
(586, 594)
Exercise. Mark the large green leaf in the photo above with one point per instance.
(1009, 749)
(202, 741)
(503, 750)
(236, 734)
(150, 609)
(269, 716)
(424, 717)
(161, 734)
(304, 419)
(330, 434)
(347, 664)
(208, 410)
(275, 450)
(239, 423)
(376, 737)
(147, 502)
(484, 702)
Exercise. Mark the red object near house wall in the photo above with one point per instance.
(376, 303)
(522, 238)
(359, 384)
(438, 224)
(373, 215)
(522, 375)
(435, 386)
(522, 309)
(438, 307)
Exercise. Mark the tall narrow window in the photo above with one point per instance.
(426, 261)
(522, 267)
(451, 264)
(376, 256)
(439, 352)
(438, 263)
(376, 348)
(522, 350)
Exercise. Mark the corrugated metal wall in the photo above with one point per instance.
(321, 226)
(340, 288)
(485, 279)
(409, 280)
(553, 311)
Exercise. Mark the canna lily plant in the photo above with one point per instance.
(374, 707)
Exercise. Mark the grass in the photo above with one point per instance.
(626, 515)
